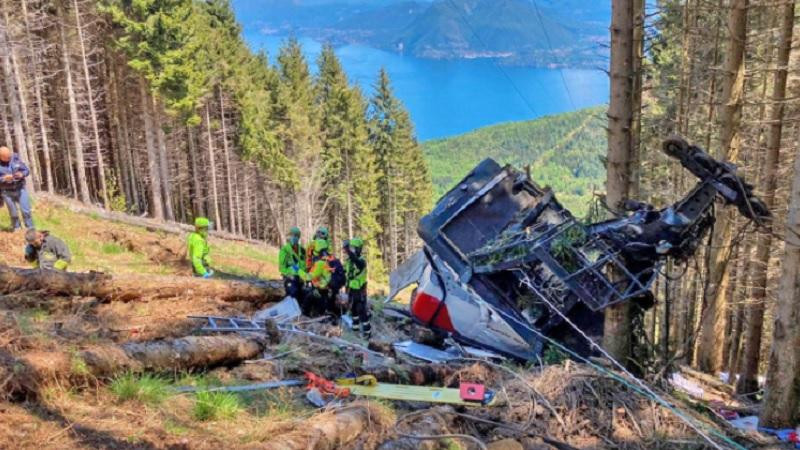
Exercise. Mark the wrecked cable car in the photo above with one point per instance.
(504, 264)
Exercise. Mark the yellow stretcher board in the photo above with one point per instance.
(413, 393)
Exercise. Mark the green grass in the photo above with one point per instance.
(78, 366)
(198, 380)
(216, 406)
(174, 428)
(112, 248)
(148, 389)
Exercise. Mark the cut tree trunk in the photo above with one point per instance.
(144, 222)
(132, 287)
(26, 373)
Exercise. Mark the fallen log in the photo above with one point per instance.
(24, 374)
(332, 430)
(138, 221)
(130, 287)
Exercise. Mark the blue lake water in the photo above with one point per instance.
(452, 97)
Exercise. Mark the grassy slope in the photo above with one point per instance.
(563, 150)
(104, 246)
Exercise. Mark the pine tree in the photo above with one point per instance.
(298, 129)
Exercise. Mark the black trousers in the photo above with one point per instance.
(294, 287)
(359, 308)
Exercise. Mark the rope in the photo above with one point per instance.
(642, 388)
(550, 46)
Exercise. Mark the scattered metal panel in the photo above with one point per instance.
(424, 352)
(285, 311)
(406, 274)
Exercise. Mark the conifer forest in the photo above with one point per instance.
(162, 111)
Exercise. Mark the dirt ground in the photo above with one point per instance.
(566, 405)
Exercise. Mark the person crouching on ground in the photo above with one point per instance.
(12, 188)
(198, 249)
(356, 271)
(46, 251)
(291, 263)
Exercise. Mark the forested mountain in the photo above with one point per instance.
(517, 31)
(158, 107)
(564, 152)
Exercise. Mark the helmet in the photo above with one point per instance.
(201, 222)
(320, 245)
(294, 231)
(356, 243)
(322, 233)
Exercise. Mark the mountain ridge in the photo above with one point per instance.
(515, 32)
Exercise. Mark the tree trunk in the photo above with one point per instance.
(37, 92)
(80, 171)
(101, 174)
(780, 408)
(227, 156)
(709, 352)
(194, 167)
(617, 323)
(28, 372)
(13, 100)
(18, 102)
(133, 287)
(213, 169)
(156, 205)
(163, 162)
(755, 319)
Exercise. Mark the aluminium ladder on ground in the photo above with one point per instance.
(228, 324)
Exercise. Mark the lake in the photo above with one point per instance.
(446, 98)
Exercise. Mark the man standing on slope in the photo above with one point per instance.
(356, 270)
(290, 260)
(12, 187)
(198, 249)
(45, 251)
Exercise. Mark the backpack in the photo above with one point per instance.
(338, 277)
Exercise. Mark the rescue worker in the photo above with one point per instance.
(355, 269)
(321, 234)
(198, 249)
(46, 251)
(326, 278)
(290, 260)
(12, 188)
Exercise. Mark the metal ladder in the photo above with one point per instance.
(227, 324)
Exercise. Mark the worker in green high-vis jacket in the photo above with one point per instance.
(355, 269)
(198, 249)
(292, 264)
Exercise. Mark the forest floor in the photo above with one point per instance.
(563, 405)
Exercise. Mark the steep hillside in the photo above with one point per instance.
(563, 152)
(104, 246)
